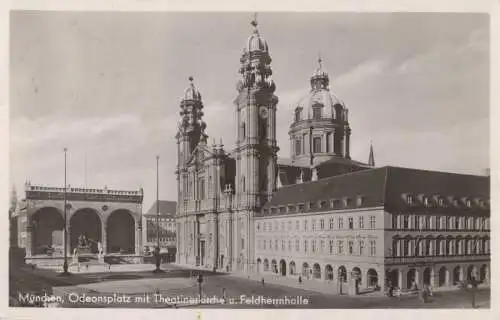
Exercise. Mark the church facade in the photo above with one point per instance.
(318, 214)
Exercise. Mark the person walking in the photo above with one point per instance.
(262, 282)
(300, 279)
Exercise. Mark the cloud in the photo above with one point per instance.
(360, 73)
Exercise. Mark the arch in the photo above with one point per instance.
(483, 273)
(259, 265)
(86, 231)
(471, 272)
(266, 265)
(356, 274)
(316, 271)
(121, 232)
(427, 275)
(392, 277)
(342, 274)
(47, 231)
(305, 269)
(328, 272)
(457, 276)
(283, 267)
(372, 277)
(292, 268)
(442, 276)
(274, 266)
(410, 278)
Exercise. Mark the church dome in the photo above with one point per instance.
(191, 93)
(320, 102)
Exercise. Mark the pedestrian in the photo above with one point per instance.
(262, 282)
(300, 279)
(224, 298)
(473, 292)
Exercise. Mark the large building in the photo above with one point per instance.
(97, 220)
(160, 220)
(318, 214)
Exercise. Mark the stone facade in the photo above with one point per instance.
(107, 218)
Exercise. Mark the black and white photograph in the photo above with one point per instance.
(249, 160)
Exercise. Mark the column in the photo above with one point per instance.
(433, 278)
(136, 238)
(401, 283)
(104, 236)
(29, 238)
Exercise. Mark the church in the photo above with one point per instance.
(318, 214)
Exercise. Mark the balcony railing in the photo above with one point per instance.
(436, 258)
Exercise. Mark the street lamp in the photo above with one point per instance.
(65, 264)
(157, 270)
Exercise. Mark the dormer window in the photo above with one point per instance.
(282, 209)
(312, 205)
(291, 208)
(468, 203)
(359, 201)
(301, 207)
(322, 204)
(425, 200)
(346, 202)
(441, 202)
(409, 199)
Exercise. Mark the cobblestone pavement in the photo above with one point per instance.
(176, 283)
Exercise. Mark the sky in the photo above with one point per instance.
(107, 86)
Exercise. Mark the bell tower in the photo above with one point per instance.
(256, 147)
(191, 132)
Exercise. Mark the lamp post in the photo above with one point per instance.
(157, 270)
(65, 264)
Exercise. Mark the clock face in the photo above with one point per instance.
(263, 112)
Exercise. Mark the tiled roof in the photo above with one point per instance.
(167, 208)
(342, 189)
(385, 186)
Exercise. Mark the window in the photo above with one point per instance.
(361, 247)
(322, 204)
(283, 225)
(409, 199)
(331, 246)
(270, 245)
(405, 222)
(322, 224)
(322, 246)
(427, 222)
(426, 201)
(372, 222)
(283, 247)
(290, 245)
(441, 202)
(373, 248)
(317, 144)
(340, 246)
(351, 223)
(305, 225)
(258, 226)
(305, 245)
(297, 225)
(415, 222)
(243, 131)
(395, 221)
(289, 225)
(242, 243)
(276, 245)
(317, 112)
(297, 245)
(331, 224)
(340, 223)
(264, 243)
(350, 246)
(313, 224)
(313, 245)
